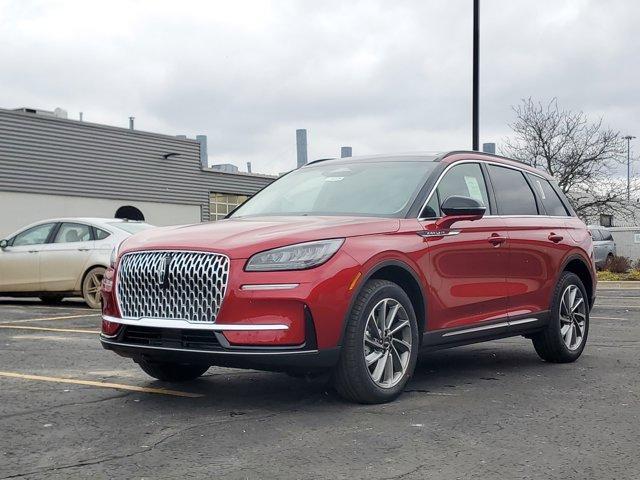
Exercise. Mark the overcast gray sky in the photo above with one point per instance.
(380, 76)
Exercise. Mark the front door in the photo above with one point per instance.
(20, 260)
(63, 261)
(467, 265)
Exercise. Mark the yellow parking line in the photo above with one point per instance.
(90, 383)
(50, 329)
(47, 319)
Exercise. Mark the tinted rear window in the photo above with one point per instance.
(513, 194)
(550, 200)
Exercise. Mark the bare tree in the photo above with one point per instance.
(583, 156)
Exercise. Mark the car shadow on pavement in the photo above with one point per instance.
(437, 373)
(34, 302)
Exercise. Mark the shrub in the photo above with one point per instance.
(605, 276)
(619, 264)
(636, 264)
(633, 275)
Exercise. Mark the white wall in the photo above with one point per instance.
(625, 238)
(20, 209)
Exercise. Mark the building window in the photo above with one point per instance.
(606, 220)
(220, 204)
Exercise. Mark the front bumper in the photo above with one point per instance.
(210, 347)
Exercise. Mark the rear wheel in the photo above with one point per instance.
(564, 338)
(607, 262)
(52, 299)
(380, 346)
(91, 287)
(172, 372)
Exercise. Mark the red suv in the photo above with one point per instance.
(356, 265)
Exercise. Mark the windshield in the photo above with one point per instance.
(131, 227)
(383, 188)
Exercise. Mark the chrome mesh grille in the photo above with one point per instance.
(172, 285)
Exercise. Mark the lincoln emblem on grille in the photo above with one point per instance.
(164, 271)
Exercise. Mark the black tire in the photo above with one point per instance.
(549, 343)
(172, 372)
(352, 378)
(608, 261)
(52, 299)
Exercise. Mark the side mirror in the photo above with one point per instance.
(4, 244)
(457, 208)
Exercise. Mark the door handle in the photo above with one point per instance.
(496, 239)
(555, 238)
(33, 251)
(83, 249)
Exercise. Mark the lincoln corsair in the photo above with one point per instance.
(354, 266)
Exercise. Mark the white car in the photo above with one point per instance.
(62, 257)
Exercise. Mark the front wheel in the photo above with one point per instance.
(380, 345)
(565, 336)
(172, 372)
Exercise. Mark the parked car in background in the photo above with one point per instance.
(355, 265)
(604, 247)
(62, 257)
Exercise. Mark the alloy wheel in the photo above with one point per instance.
(387, 342)
(92, 291)
(573, 317)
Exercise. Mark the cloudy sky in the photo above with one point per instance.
(381, 76)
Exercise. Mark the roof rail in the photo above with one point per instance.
(455, 152)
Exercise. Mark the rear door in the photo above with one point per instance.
(598, 250)
(467, 266)
(20, 260)
(537, 243)
(63, 261)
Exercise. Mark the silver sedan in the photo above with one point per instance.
(61, 257)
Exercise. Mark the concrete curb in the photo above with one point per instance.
(626, 285)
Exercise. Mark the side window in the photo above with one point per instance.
(432, 209)
(73, 232)
(596, 235)
(464, 180)
(34, 236)
(552, 203)
(513, 194)
(101, 234)
(606, 235)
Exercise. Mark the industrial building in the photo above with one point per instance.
(51, 166)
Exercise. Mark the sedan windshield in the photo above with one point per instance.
(376, 188)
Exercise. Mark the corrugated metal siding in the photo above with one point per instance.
(49, 155)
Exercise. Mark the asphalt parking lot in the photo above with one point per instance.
(69, 409)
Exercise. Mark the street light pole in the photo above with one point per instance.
(476, 74)
(628, 138)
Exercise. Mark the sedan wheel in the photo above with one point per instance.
(91, 287)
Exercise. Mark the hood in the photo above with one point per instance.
(242, 237)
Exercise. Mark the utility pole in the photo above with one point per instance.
(628, 138)
(476, 74)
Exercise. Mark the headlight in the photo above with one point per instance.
(114, 255)
(294, 257)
